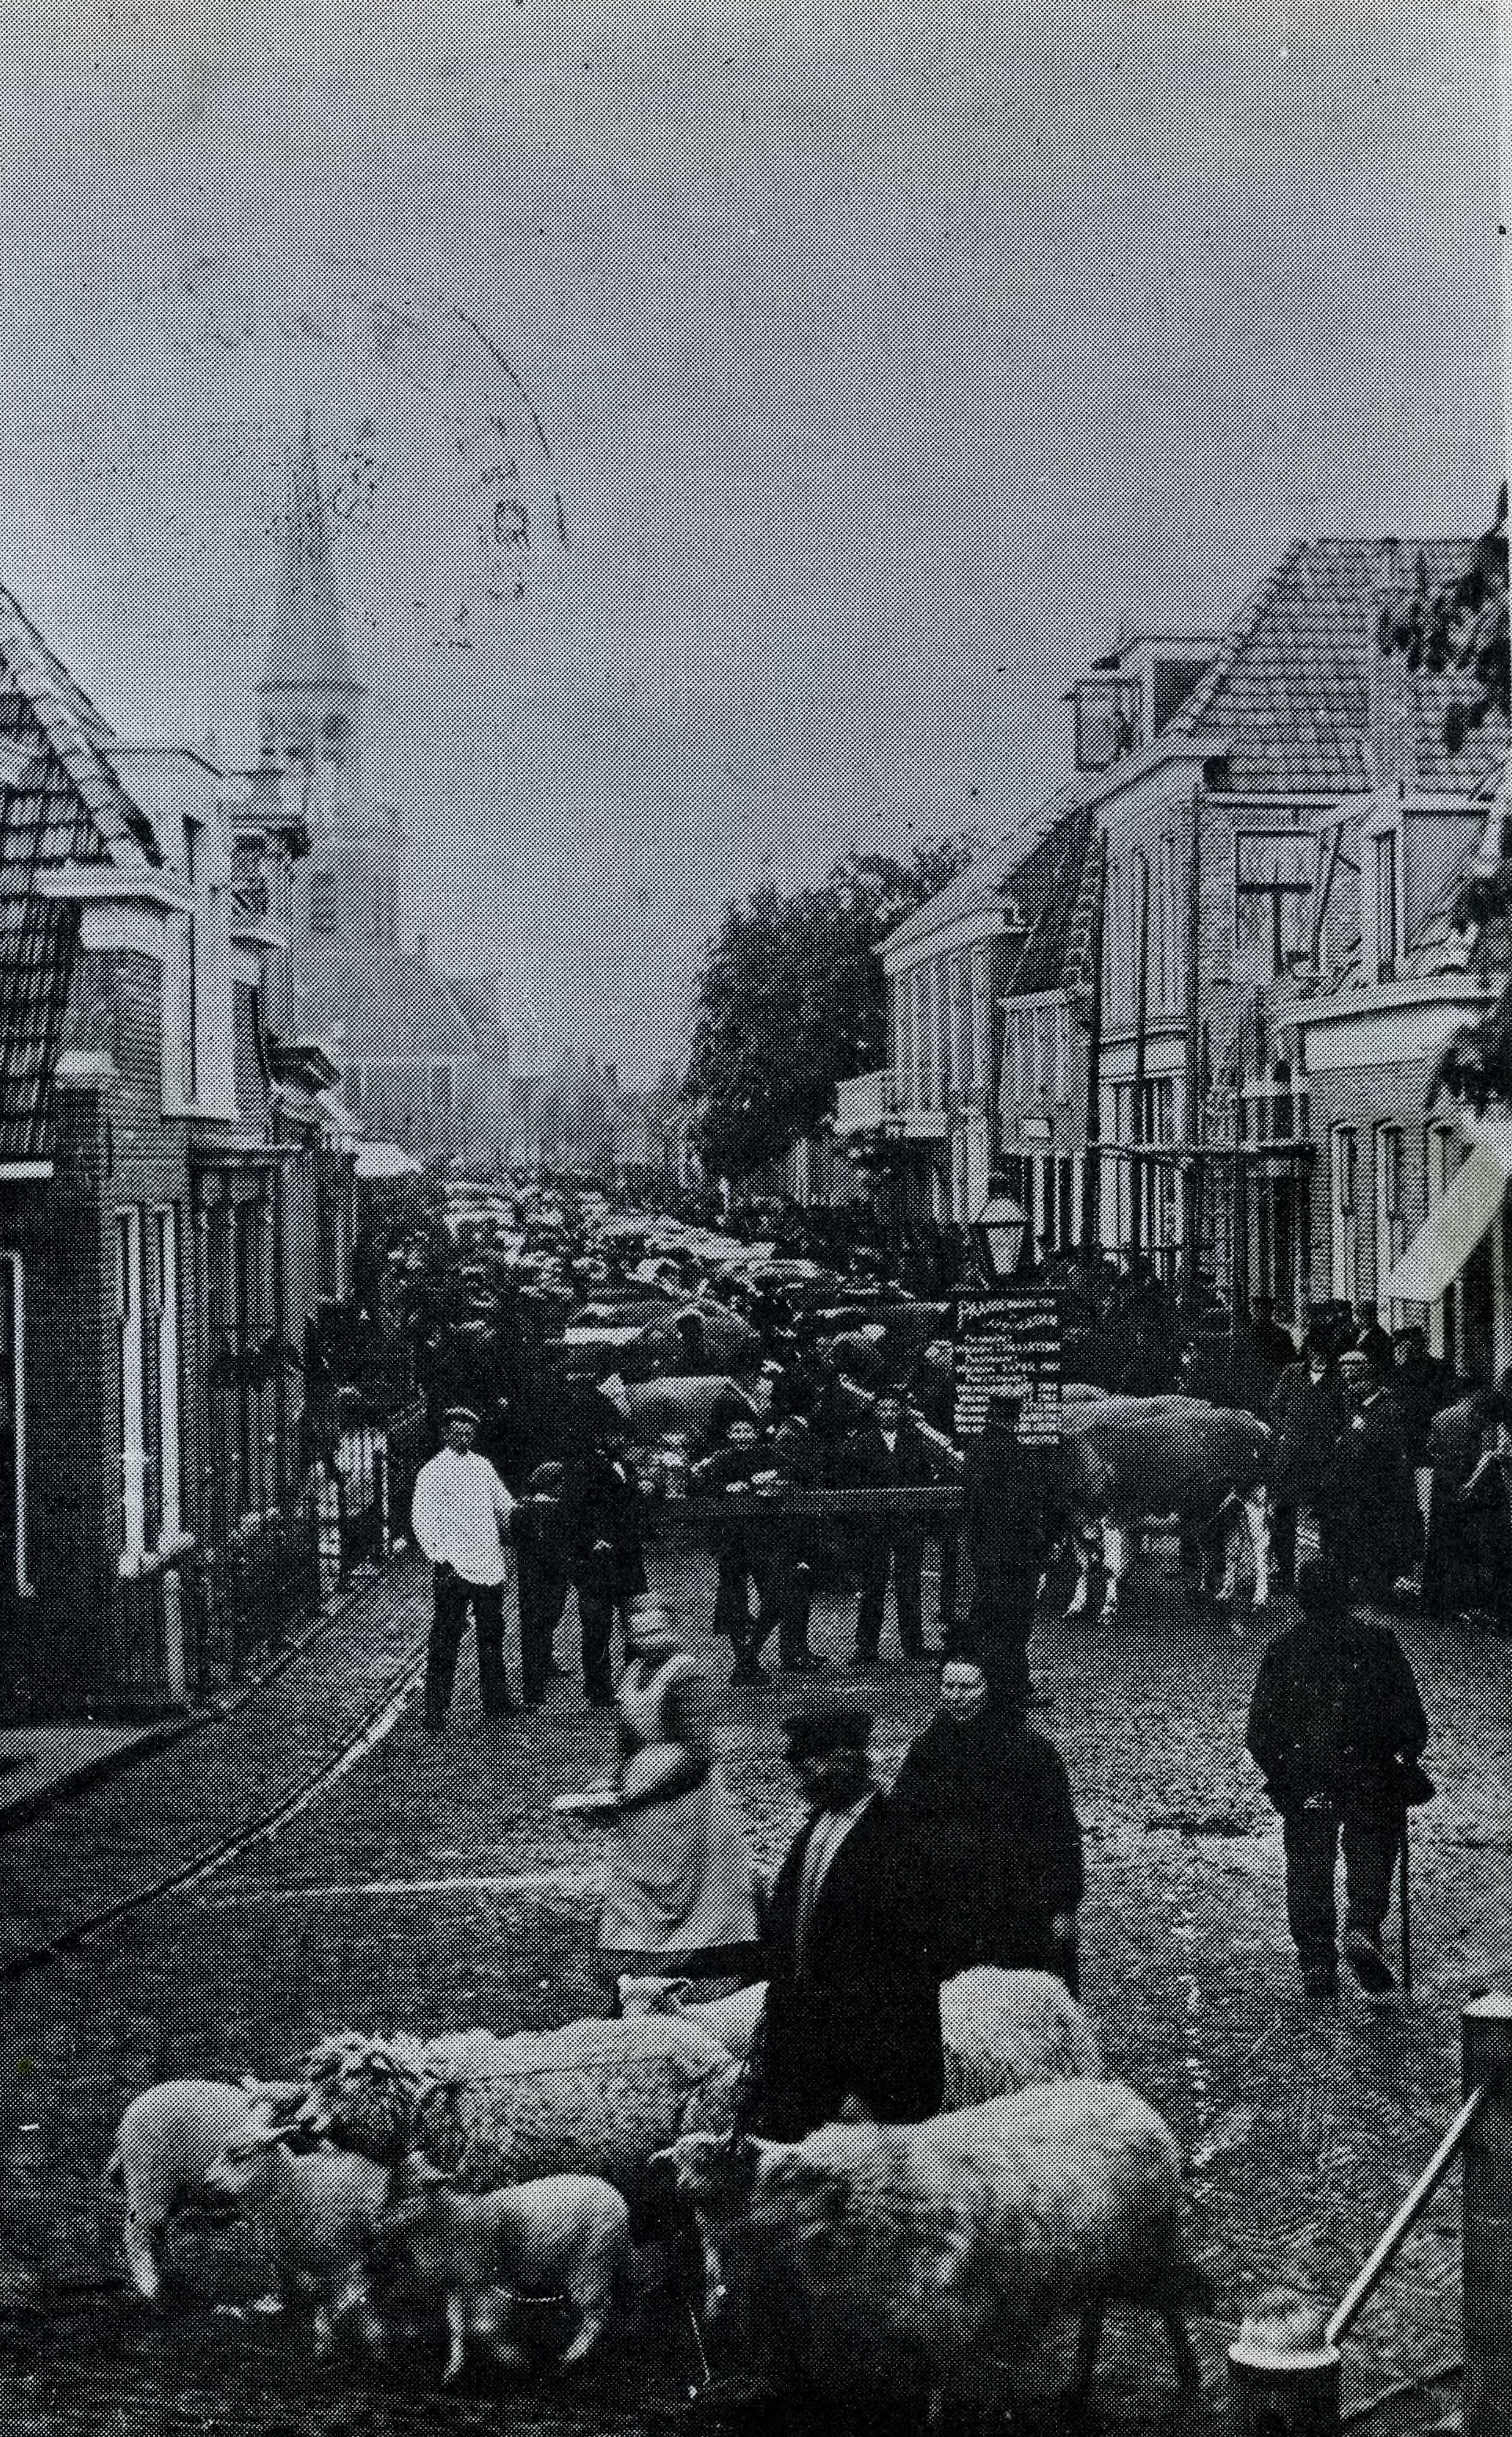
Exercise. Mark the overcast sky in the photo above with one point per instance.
(889, 361)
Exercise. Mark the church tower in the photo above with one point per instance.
(346, 894)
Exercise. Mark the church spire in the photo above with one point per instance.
(308, 694)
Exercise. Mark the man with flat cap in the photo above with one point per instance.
(1010, 1523)
(852, 2024)
(460, 1518)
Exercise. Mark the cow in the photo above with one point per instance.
(1129, 1463)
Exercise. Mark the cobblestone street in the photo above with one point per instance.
(430, 1887)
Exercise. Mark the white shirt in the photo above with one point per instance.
(829, 1831)
(461, 1513)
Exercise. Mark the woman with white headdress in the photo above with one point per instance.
(682, 1893)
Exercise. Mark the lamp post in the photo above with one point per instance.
(999, 1230)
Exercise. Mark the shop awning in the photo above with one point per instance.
(1453, 1227)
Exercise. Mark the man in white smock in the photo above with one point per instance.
(461, 1517)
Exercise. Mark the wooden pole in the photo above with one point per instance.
(1092, 1163)
(1141, 1008)
(1486, 2217)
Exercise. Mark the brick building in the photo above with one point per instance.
(175, 1187)
(1297, 827)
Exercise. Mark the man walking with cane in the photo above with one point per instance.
(1337, 1726)
(460, 1516)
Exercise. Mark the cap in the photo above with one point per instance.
(811, 1733)
(461, 1414)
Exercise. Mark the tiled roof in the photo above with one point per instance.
(1054, 890)
(61, 802)
(980, 889)
(1293, 686)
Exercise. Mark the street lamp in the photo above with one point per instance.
(1000, 1228)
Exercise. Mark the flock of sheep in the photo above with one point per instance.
(503, 2181)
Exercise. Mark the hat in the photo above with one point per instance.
(459, 1413)
(1321, 1588)
(811, 1733)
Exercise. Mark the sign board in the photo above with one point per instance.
(1009, 1340)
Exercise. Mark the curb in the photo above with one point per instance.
(20, 1809)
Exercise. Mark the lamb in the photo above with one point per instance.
(320, 2212)
(562, 2235)
(1004, 2030)
(877, 2258)
(165, 2144)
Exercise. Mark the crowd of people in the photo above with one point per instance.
(974, 1854)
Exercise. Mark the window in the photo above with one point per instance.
(1272, 891)
(165, 1433)
(1387, 940)
(1344, 1154)
(1062, 1052)
(131, 1383)
(980, 1017)
(325, 903)
(1106, 723)
(1037, 1080)
(902, 1024)
(1390, 1226)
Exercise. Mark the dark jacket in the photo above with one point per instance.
(600, 1502)
(1307, 1417)
(1010, 1518)
(1370, 1497)
(997, 1846)
(1336, 1722)
(866, 2017)
(869, 1464)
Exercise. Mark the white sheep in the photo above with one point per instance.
(1002, 2030)
(165, 2144)
(562, 2236)
(595, 2099)
(873, 2255)
(319, 2214)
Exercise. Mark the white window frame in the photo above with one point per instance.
(165, 1232)
(1343, 1212)
(134, 1456)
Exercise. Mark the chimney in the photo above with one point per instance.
(1392, 721)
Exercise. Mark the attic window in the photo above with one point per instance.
(1107, 720)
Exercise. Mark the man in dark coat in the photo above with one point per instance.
(1308, 1415)
(743, 1552)
(1369, 1499)
(1010, 1527)
(541, 1578)
(889, 1454)
(1337, 1727)
(998, 1843)
(1371, 1338)
(602, 1529)
(852, 2023)
(1272, 1344)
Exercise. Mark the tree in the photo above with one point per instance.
(1463, 633)
(791, 1000)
